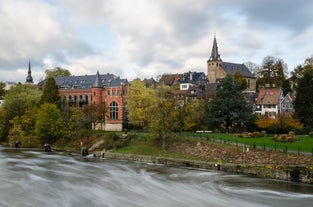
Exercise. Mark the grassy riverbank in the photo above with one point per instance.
(204, 148)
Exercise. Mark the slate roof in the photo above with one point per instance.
(231, 68)
(191, 77)
(83, 82)
(117, 82)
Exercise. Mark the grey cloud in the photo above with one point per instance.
(294, 15)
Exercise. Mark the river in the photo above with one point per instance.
(35, 178)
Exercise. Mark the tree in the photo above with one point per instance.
(94, 114)
(56, 72)
(194, 115)
(272, 72)
(73, 119)
(229, 107)
(281, 124)
(49, 124)
(304, 100)
(153, 109)
(51, 93)
(2, 90)
(141, 104)
(18, 100)
(164, 116)
(240, 80)
(252, 67)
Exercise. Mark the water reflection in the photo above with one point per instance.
(35, 178)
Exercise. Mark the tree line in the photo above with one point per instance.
(34, 116)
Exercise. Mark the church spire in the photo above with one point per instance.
(215, 56)
(29, 78)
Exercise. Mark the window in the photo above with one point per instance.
(113, 110)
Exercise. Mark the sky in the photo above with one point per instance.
(146, 38)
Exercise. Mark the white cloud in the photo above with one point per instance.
(146, 38)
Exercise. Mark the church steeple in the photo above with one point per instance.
(215, 56)
(29, 78)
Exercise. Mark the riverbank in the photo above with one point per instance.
(204, 154)
(302, 174)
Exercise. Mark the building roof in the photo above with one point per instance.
(83, 82)
(192, 77)
(169, 79)
(117, 82)
(231, 68)
(270, 96)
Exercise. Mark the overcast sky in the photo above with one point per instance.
(145, 38)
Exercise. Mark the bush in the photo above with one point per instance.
(285, 137)
(30, 141)
(250, 134)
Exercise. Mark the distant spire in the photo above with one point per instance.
(97, 82)
(215, 56)
(29, 78)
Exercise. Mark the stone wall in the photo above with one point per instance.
(290, 173)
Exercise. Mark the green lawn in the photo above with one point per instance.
(304, 145)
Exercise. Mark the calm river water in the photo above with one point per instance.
(35, 178)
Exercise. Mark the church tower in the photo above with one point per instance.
(29, 78)
(214, 63)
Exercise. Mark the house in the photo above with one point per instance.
(78, 91)
(218, 69)
(286, 105)
(191, 79)
(268, 102)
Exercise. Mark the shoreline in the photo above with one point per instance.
(294, 173)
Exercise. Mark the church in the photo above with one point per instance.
(218, 69)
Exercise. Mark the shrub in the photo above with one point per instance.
(285, 137)
(263, 133)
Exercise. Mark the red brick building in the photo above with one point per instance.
(94, 89)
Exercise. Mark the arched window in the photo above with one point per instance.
(113, 110)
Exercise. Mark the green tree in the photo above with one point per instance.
(2, 90)
(304, 100)
(18, 100)
(51, 93)
(229, 107)
(49, 123)
(73, 120)
(56, 72)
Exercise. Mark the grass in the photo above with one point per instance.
(144, 144)
(304, 145)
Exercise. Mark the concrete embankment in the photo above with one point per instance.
(302, 174)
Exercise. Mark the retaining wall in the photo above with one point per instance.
(302, 174)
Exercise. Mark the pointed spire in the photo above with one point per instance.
(97, 83)
(215, 56)
(29, 78)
